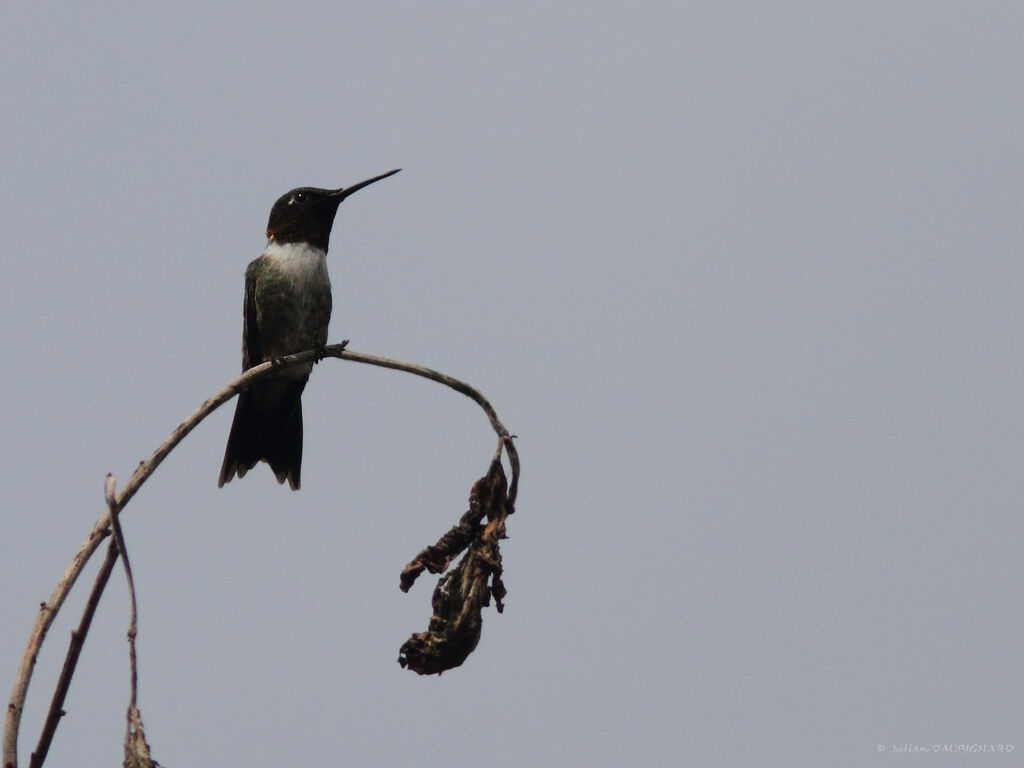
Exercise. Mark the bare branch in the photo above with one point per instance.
(133, 624)
(56, 711)
(48, 610)
(101, 529)
(136, 749)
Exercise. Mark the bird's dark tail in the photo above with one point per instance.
(271, 434)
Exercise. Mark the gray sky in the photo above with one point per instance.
(745, 279)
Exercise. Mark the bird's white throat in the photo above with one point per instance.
(302, 262)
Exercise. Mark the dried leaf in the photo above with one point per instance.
(463, 593)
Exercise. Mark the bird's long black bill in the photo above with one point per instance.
(346, 191)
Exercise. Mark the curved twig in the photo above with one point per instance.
(48, 610)
(458, 386)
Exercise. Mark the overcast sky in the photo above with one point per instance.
(745, 278)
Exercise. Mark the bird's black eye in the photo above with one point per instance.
(299, 197)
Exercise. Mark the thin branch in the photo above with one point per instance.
(48, 610)
(56, 711)
(136, 750)
(133, 624)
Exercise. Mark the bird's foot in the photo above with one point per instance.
(321, 350)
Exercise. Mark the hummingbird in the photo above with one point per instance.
(286, 309)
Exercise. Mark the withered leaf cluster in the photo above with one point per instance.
(462, 593)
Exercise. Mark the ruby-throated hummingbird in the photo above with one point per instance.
(286, 310)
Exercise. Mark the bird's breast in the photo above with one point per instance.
(293, 299)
